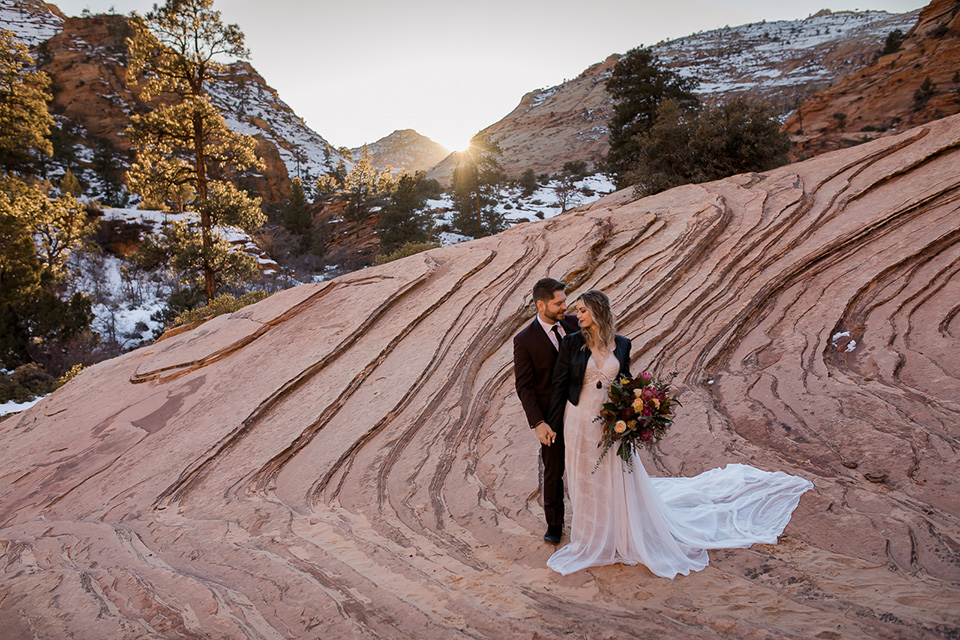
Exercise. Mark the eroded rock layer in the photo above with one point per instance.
(349, 459)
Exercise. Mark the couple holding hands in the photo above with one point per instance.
(563, 367)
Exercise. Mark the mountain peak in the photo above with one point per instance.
(404, 149)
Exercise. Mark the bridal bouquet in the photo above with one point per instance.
(638, 412)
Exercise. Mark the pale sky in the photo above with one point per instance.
(356, 70)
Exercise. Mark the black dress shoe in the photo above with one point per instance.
(553, 534)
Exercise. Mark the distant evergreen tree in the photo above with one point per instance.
(185, 140)
(922, 95)
(893, 42)
(528, 182)
(361, 187)
(682, 148)
(575, 168)
(296, 218)
(326, 185)
(477, 177)
(403, 219)
(106, 164)
(639, 85)
(339, 174)
(69, 184)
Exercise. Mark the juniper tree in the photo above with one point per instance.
(403, 219)
(184, 139)
(716, 142)
(639, 85)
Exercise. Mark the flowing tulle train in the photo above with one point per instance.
(666, 524)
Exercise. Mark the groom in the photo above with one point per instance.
(534, 354)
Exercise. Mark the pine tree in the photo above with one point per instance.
(185, 140)
(25, 122)
(296, 218)
(403, 219)
(477, 177)
(69, 184)
(893, 42)
(639, 85)
(37, 233)
(361, 187)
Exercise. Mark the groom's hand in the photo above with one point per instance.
(545, 434)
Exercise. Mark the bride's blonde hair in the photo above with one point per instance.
(599, 305)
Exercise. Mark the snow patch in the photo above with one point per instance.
(14, 407)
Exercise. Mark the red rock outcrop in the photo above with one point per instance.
(349, 459)
(87, 64)
(86, 59)
(880, 99)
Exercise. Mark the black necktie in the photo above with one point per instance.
(556, 332)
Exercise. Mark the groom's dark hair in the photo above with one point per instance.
(545, 288)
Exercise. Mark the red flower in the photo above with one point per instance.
(646, 435)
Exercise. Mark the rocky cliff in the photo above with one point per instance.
(404, 150)
(781, 63)
(86, 60)
(887, 96)
(349, 459)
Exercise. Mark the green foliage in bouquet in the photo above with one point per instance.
(638, 413)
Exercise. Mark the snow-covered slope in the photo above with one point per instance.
(781, 58)
(253, 107)
(32, 21)
(780, 63)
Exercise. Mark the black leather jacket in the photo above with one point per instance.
(570, 369)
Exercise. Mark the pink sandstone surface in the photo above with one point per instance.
(349, 459)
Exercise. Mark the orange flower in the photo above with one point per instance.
(620, 427)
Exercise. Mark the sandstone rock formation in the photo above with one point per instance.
(880, 99)
(404, 150)
(349, 459)
(780, 63)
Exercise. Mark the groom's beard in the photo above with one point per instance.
(553, 317)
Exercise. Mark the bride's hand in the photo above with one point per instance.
(545, 434)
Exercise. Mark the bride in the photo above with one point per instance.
(623, 515)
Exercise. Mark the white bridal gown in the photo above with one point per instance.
(666, 524)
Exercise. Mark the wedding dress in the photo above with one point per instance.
(666, 524)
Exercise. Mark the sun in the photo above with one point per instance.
(461, 146)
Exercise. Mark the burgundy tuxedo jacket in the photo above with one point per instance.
(533, 359)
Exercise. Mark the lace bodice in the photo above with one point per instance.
(606, 374)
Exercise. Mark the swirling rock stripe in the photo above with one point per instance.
(349, 459)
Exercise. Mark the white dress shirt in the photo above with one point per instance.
(549, 329)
